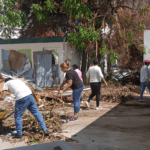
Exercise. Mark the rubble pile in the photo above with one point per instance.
(33, 130)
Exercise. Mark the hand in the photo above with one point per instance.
(106, 84)
(61, 91)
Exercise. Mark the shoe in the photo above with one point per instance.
(73, 119)
(97, 108)
(18, 136)
(46, 133)
(87, 104)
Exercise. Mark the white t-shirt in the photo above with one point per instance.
(95, 74)
(18, 88)
(144, 74)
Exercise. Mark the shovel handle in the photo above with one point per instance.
(10, 114)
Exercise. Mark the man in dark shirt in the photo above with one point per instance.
(76, 84)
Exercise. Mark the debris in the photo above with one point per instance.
(41, 106)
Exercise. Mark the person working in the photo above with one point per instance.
(75, 67)
(95, 75)
(24, 99)
(144, 78)
(76, 84)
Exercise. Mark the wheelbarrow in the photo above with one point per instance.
(2, 117)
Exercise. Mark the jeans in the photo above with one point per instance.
(144, 84)
(95, 87)
(29, 103)
(76, 99)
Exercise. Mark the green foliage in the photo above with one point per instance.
(130, 34)
(55, 52)
(42, 14)
(141, 27)
(92, 58)
(10, 18)
(77, 9)
(127, 20)
(144, 10)
(84, 36)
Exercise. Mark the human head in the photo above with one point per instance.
(64, 66)
(146, 62)
(75, 66)
(95, 61)
(7, 79)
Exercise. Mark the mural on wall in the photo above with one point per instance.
(27, 52)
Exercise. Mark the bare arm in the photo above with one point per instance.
(64, 82)
(2, 77)
(68, 85)
(87, 80)
(104, 81)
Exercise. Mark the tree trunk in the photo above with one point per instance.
(83, 68)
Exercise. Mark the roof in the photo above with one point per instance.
(33, 40)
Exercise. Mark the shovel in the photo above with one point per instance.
(2, 117)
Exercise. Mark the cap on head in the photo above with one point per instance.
(7, 79)
(146, 60)
(95, 61)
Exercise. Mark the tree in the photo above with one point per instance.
(125, 19)
(10, 17)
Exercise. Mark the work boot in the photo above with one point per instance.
(18, 136)
(46, 133)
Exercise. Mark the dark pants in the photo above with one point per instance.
(95, 87)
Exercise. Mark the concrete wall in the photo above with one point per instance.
(34, 47)
(64, 50)
(147, 44)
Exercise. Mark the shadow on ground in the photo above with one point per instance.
(124, 127)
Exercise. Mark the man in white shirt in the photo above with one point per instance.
(24, 99)
(144, 78)
(95, 75)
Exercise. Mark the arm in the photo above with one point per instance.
(88, 76)
(68, 85)
(64, 82)
(2, 95)
(33, 92)
(2, 77)
(147, 74)
(87, 80)
(104, 81)
(101, 76)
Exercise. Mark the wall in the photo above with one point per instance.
(72, 53)
(35, 47)
(147, 44)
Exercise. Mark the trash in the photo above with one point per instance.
(41, 106)
(14, 132)
(63, 121)
(26, 72)
(8, 135)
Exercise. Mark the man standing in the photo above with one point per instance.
(144, 78)
(24, 99)
(95, 75)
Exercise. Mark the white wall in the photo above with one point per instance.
(35, 47)
(147, 44)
